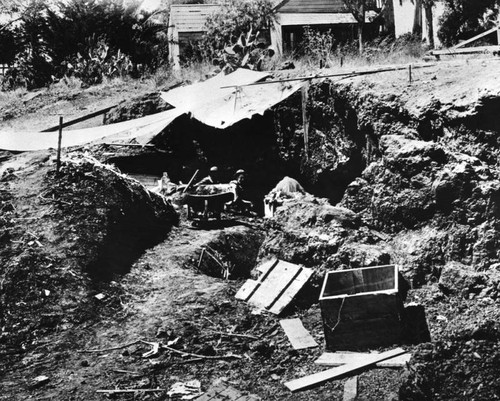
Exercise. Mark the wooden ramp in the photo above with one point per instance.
(278, 284)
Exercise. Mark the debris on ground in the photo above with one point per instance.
(185, 390)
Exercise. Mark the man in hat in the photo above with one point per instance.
(211, 178)
(237, 186)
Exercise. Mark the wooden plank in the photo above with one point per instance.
(473, 39)
(469, 50)
(297, 334)
(267, 292)
(247, 289)
(343, 358)
(278, 284)
(79, 119)
(290, 293)
(351, 389)
(318, 378)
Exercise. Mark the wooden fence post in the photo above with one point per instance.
(305, 116)
(59, 142)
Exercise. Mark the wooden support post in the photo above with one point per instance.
(409, 74)
(305, 117)
(59, 142)
(498, 30)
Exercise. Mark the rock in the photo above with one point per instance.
(457, 278)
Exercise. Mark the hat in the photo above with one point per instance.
(239, 172)
(214, 169)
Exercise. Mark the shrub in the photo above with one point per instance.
(318, 44)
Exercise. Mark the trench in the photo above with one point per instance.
(268, 148)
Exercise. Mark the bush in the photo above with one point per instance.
(464, 19)
(50, 38)
(317, 44)
(97, 63)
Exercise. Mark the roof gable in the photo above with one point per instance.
(311, 6)
(191, 17)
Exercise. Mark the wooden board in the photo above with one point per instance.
(226, 393)
(297, 334)
(342, 358)
(316, 379)
(294, 287)
(278, 284)
(351, 389)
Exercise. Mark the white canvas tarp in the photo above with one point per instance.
(213, 104)
(143, 130)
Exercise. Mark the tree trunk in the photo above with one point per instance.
(361, 25)
(430, 25)
(417, 19)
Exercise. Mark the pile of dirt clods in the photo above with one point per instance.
(63, 237)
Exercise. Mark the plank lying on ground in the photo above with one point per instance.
(351, 389)
(297, 334)
(278, 284)
(131, 390)
(467, 50)
(316, 379)
(343, 358)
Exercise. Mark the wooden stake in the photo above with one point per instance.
(305, 117)
(409, 74)
(59, 143)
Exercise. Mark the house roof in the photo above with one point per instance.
(291, 19)
(191, 17)
(311, 6)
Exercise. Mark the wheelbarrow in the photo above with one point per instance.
(206, 207)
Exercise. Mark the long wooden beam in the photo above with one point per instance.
(79, 119)
(339, 74)
(468, 50)
(481, 35)
(316, 379)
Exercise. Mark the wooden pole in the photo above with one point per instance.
(498, 30)
(305, 117)
(409, 74)
(59, 143)
(191, 181)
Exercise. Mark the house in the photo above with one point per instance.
(186, 24)
(293, 15)
(409, 17)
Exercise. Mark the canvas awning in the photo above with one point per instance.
(225, 100)
(143, 130)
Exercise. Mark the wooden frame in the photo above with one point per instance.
(362, 308)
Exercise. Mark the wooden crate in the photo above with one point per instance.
(362, 308)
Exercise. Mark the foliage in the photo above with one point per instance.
(317, 44)
(234, 19)
(67, 33)
(97, 63)
(463, 19)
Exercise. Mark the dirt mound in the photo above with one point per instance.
(463, 364)
(63, 237)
